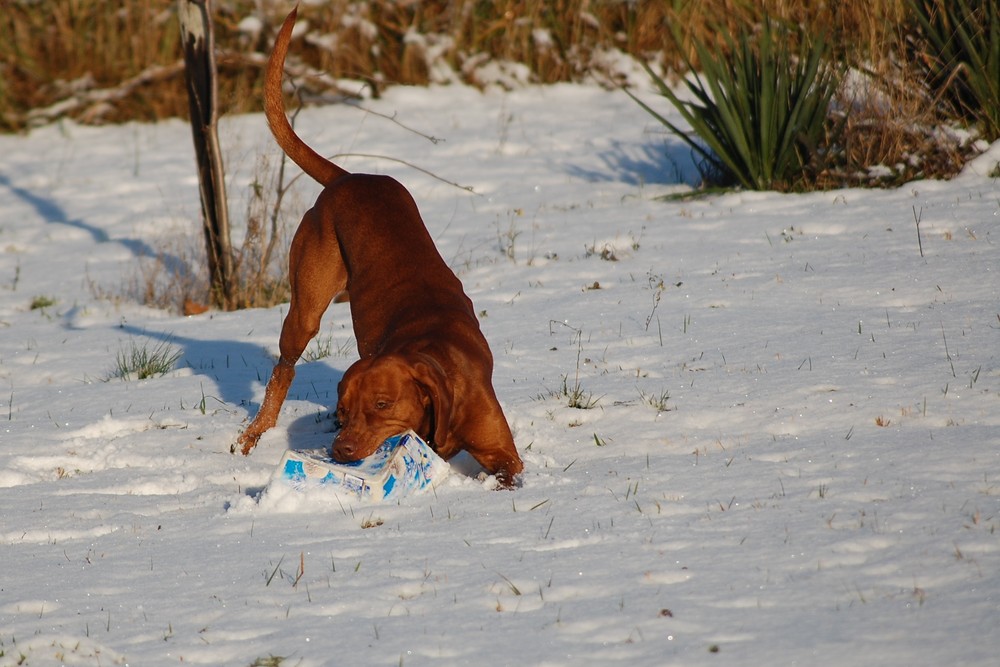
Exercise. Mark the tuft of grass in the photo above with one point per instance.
(141, 362)
(656, 401)
(269, 661)
(576, 396)
(506, 239)
(326, 346)
(42, 302)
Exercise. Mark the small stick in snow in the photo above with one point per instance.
(916, 217)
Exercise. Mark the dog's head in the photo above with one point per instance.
(385, 395)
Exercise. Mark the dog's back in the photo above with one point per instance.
(400, 287)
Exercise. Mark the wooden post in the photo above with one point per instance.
(198, 40)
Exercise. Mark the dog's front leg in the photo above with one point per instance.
(267, 416)
(316, 274)
(300, 326)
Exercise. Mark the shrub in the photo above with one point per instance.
(761, 107)
(957, 43)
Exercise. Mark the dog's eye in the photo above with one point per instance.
(382, 405)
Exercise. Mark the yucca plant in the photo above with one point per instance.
(958, 47)
(760, 108)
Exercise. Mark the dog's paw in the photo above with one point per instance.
(501, 481)
(505, 481)
(488, 481)
(244, 444)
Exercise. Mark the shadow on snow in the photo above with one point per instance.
(668, 163)
(239, 372)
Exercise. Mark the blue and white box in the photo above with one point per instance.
(402, 465)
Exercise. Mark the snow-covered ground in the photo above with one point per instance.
(791, 454)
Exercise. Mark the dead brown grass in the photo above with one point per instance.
(48, 54)
(894, 135)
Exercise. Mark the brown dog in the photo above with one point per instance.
(425, 364)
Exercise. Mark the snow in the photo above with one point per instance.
(792, 455)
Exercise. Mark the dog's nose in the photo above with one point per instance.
(344, 451)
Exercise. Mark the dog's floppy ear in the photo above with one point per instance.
(431, 378)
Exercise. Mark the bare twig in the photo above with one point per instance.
(467, 188)
(392, 118)
(947, 352)
(917, 215)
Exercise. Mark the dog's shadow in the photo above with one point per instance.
(239, 371)
(312, 431)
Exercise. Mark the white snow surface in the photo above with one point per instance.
(792, 454)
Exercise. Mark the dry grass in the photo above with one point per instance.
(48, 55)
(894, 135)
(47, 52)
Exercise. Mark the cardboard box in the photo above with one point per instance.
(402, 465)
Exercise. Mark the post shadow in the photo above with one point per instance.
(51, 212)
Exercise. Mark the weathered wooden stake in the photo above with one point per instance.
(198, 40)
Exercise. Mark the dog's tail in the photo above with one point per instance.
(311, 162)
